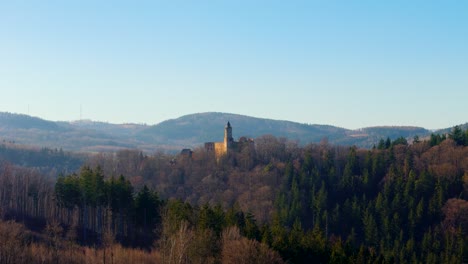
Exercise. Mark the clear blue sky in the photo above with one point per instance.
(346, 63)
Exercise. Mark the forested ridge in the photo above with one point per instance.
(186, 131)
(282, 202)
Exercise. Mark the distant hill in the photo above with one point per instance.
(196, 129)
(188, 131)
(448, 130)
(18, 121)
(86, 136)
(367, 137)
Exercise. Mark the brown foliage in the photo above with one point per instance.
(15, 249)
(12, 243)
(456, 215)
(238, 250)
(446, 160)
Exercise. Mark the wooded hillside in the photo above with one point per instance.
(320, 203)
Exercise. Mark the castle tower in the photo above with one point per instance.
(228, 135)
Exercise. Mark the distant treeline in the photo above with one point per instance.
(49, 161)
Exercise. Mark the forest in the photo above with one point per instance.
(398, 202)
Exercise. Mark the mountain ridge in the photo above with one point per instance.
(187, 131)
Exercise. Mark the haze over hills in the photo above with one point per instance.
(188, 131)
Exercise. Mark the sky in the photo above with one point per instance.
(351, 64)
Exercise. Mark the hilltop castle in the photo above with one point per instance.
(222, 148)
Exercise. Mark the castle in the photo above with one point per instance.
(222, 148)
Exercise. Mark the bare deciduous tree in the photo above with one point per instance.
(237, 249)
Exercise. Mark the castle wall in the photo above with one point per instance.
(209, 146)
(219, 149)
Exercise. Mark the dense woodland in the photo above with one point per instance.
(282, 202)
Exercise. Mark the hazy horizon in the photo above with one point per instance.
(346, 64)
(188, 114)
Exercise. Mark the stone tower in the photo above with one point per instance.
(228, 140)
(220, 149)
